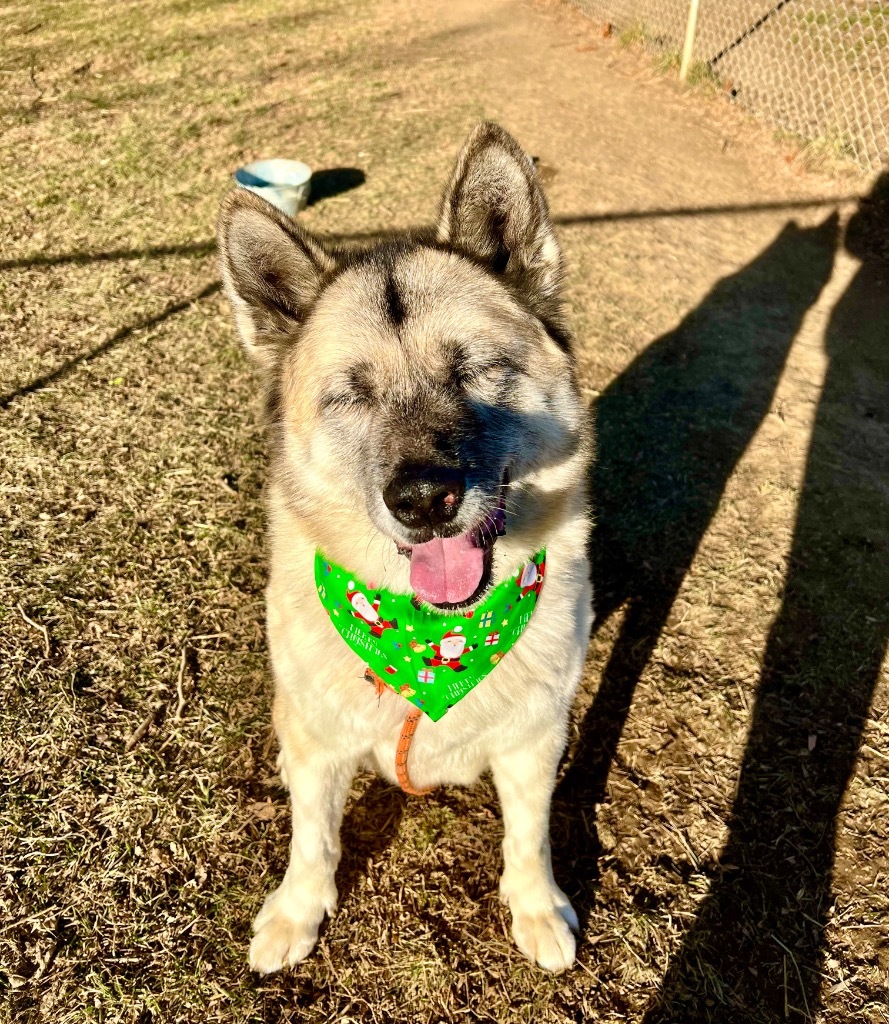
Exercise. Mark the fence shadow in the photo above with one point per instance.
(116, 339)
(78, 259)
(756, 948)
(670, 431)
(335, 180)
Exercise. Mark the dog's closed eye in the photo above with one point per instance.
(333, 401)
(474, 374)
(355, 389)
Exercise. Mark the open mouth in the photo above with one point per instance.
(450, 572)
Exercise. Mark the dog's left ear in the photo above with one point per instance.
(495, 211)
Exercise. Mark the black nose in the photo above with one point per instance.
(427, 496)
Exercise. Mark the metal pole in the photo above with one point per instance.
(690, 30)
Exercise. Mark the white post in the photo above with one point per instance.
(690, 30)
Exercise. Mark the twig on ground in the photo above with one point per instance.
(38, 626)
(143, 728)
(872, 750)
(673, 831)
(179, 687)
(32, 75)
(799, 975)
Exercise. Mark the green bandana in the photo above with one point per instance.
(431, 657)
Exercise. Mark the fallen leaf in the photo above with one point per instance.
(262, 810)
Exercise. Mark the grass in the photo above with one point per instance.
(830, 152)
(830, 146)
(640, 33)
(700, 73)
(141, 821)
(635, 34)
(857, 37)
(667, 61)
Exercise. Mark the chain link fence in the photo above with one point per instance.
(816, 68)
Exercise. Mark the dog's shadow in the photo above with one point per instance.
(369, 826)
(670, 431)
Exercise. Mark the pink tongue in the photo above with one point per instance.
(447, 570)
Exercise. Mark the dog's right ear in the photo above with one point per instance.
(271, 269)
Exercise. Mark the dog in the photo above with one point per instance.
(428, 442)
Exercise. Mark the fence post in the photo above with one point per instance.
(690, 30)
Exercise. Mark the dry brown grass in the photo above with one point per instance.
(142, 822)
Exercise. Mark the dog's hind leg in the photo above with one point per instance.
(542, 917)
(286, 928)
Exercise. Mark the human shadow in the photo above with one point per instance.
(755, 950)
(670, 431)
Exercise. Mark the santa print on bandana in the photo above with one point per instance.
(531, 579)
(363, 609)
(451, 649)
(439, 655)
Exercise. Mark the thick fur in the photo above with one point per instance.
(447, 348)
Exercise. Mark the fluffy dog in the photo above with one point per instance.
(428, 435)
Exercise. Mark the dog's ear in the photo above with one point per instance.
(271, 269)
(495, 211)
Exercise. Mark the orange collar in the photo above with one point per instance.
(404, 740)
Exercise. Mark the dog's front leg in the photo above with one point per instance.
(542, 917)
(286, 928)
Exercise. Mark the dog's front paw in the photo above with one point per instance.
(546, 934)
(284, 933)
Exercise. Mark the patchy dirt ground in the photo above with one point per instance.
(723, 817)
